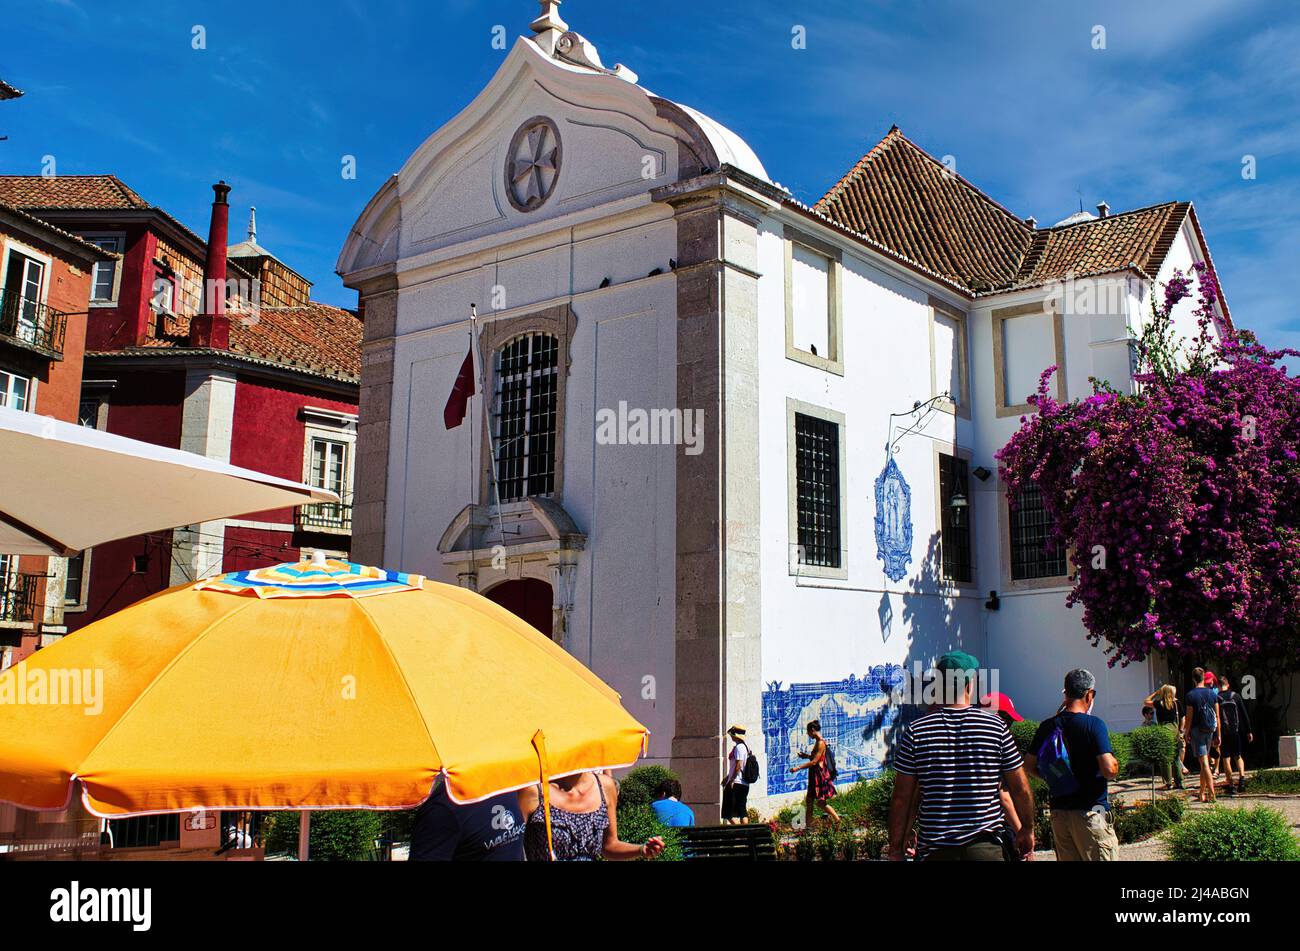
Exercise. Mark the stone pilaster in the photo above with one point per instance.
(716, 666)
(373, 425)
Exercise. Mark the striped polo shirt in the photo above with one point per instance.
(958, 757)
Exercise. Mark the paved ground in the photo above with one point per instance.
(1153, 849)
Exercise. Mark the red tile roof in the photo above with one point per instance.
(315, 338)
(1133, 239)
(68, 191)
(95, 251)
(9, 92)
(902, 198)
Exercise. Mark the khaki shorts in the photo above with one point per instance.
(1082, 836)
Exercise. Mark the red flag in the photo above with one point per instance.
(453, 413)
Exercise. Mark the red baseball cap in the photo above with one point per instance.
(1001, 703)
(1210, 679)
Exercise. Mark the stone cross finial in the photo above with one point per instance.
(252, 224)
(549, 27)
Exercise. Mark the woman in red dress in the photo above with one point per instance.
(821, 787)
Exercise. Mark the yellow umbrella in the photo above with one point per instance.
(311, 686)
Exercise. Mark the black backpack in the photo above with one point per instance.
(830, 763)
(749, 772)
(1228, 708)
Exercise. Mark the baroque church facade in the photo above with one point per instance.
(799, 500)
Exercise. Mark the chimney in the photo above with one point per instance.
(211, 329)
(1103, 209)
(1031, 221)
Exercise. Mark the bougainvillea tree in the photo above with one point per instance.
(1181, 501)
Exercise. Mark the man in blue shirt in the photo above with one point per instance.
(1083, 828)
(488, 831)
(1202, 725)
(668, 807)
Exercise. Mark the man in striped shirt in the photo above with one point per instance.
(955, 760)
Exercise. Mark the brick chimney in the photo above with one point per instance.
(211, 329)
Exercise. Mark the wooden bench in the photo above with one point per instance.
(747, 843)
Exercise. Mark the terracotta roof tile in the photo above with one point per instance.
(68, 191)
(9, 92)
(1132, 239)
(901, 197)
(95, 250)
(315, 337)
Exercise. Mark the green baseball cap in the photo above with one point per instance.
(957, 660)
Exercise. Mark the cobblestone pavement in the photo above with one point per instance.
(1133, 790)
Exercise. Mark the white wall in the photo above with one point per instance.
(816, 630)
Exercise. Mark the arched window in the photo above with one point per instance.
(526, 415)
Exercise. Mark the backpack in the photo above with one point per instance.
(830, 763)
(1054, 762)
(1205, 718)
(749, 772)
(1228, 710)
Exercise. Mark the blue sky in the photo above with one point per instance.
(1014, 91)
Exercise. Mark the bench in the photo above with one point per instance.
(747, 843)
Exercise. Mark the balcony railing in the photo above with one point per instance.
(18, 596)
(32, 324)
(332, 517)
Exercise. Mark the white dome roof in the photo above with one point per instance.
(731, 148)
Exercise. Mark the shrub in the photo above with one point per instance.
(785, 818)
(1023, 733)
(1276, 781)
(867, 801)
(872, 845)
(636, 824)
(638, 786)
(826, 841)
(849, 845)
(1135, 823)
(1155, 746)
(1042, 824)
(1260, 834)
(398, 824)
(805, 848)
(1122, 747)
(337, 835)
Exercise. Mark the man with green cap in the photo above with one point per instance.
(955, 760)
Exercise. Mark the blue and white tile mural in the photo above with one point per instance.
(856, 715)
(893, 520)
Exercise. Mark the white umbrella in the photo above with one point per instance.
(67, 488)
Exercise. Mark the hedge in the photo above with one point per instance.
(1146, 818)
(636, 824)
(342, 835)
(1260, 834)
(638, 786)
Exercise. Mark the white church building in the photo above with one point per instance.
(737, 453)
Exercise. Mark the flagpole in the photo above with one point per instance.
(481, 376)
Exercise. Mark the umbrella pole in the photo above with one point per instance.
(304, 834)
(539, 744)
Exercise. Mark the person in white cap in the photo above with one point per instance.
(735, 790)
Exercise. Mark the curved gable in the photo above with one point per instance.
(616, 141)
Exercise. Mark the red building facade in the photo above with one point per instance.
(45, 275)
(211, 348)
